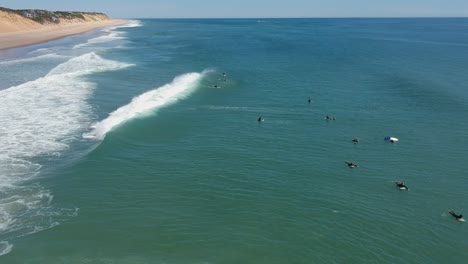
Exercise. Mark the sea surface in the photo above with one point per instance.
(140, 144)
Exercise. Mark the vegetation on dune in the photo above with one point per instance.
(43, 16)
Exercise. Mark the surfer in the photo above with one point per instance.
(309, 100)
(330, 118)
(216, 86)
(351, 164)
(356, 140)
(391, 139)
(401, 185)
(459, 217)
(260, 119)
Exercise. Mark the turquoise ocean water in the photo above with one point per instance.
(116, 148)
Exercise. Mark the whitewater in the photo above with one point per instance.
(181, 87)
(115, 148)
(40, 119)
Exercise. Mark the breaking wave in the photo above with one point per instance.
(179, 88)
(39, 119)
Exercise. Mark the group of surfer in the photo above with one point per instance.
(399, 184)
(224, 79)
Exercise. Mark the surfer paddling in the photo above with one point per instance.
(351, 164)
(401, 185)
(459, 217)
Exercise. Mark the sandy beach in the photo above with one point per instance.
(29, 37)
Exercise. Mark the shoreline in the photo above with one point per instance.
(18, 39)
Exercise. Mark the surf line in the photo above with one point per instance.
(181, 87)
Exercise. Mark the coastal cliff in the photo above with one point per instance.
(32, 19)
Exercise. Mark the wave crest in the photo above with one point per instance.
(167, 94)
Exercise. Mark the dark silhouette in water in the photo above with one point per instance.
(459, 217)
(351, 164)
(260, 119)
(401, 185)
(356, 140)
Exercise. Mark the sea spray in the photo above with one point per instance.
(39, 119)
(112, 34)
(178, 89)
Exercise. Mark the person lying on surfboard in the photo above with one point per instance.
(351, 164)
(459, 217)
(401, 185)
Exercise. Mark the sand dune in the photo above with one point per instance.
(11, 22)
(17, 31)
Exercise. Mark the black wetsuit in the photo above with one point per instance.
(350, 164)
(401, 185)
(458, 217)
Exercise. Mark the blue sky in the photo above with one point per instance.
(252, 8)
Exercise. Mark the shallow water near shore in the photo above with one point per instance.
(116, 148)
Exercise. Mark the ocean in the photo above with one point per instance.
(140, 143)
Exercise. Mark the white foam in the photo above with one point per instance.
(39, 119)
(112, 36)
(5, 248)
(41, 50)
(132, 23)
(178, 89)
(33, 59)
(85, 64)
(38, 116)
